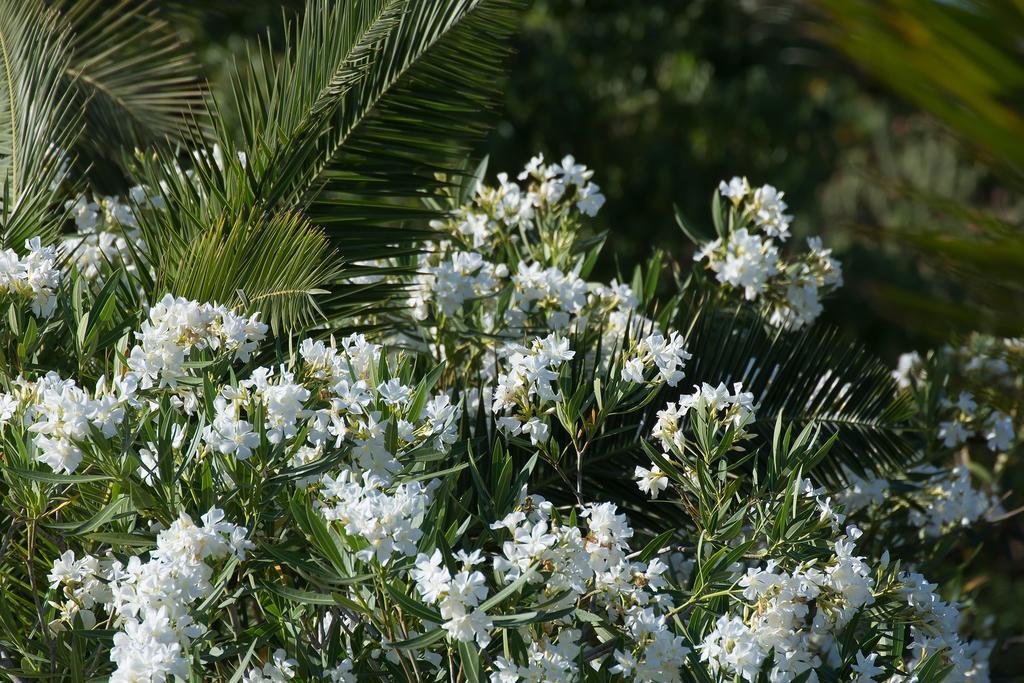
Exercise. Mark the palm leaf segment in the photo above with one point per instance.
(373, 103)
(809, 376)
(134, 80)
(37, 122)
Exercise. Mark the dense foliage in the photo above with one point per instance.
(421, 442)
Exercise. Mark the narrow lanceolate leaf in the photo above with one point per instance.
(37, 122)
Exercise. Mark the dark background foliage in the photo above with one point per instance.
(893, 128)
(664, 98)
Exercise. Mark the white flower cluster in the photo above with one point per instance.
(463, 276)
(815, 273)
(512, 238)
(764, 206)
(939, 500)
(748, 259)
(551, 187)
(176, 327)
(983, 363)
(458, 596)
(720, 407)
(33, 278)
(550, 184)
(545, 294)
(387, 521)
(352, 406)
(733, 409)
(469, 266)
(935, 631)
(547, 659)
(966, 420)
(667, 356)
(560, 564)
(107, 231)
(527, 387)
(745, 261)
(952, 502)
(61, 415)
(150, 601)
(780, 618)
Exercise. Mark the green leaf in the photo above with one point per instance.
(656, 544)
(507, 591)
(420, 642)
(470, 656)
(118, 506)
(532, 617)
(56, 477)
(413, 606)
(296, 595)
(116, 539)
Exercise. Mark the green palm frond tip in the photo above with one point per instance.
(371, 109)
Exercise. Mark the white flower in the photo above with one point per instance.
(33, 278)
(589, 199)
(394, 393)
(278, 670)
(736, 189)
(343, 673)
(651, 481)
(467, 588)
(231, 436)
(469, 625)
(432, 577)
(769, 212)
(1000, 431)
(865, 669)
(732, 647)
(538, 430)
(387, 520)
(667, 354)
(744, 260)
(954, 433)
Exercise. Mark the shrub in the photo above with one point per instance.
(497, 470)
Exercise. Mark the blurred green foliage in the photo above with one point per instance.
(663, 99)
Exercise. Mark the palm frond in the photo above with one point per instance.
(38, 125)
(371, 107)
(276, 264)
(132, 76)
(372, 102)
(809, 375)
(960, 61)
(442, 66)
